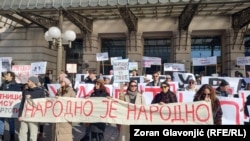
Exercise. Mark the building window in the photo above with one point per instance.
(247, 45)
(74, 55)
(115, 48)
(203, 47)
(157, 48)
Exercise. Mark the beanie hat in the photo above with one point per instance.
(66, 80)
(34, 79)
(224, 83)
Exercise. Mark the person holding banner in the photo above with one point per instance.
(207, 93)
(156, 80)
(97, 129)
(9, 84)
(132, 96)
(63, 131)
(165, 96)
(191, 86)
(32, 92)
(222, 90)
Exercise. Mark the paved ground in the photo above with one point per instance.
(111, 133)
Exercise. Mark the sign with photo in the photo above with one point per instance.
(38, 68)
(6, 63)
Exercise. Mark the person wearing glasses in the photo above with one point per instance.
(191, 86)
(156, 80)
(207, 93)
(96, 130)
(63, 131)
(132, 96)
(165, 96)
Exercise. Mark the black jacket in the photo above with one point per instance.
(36, 92)
(247, 103)
(10, 86)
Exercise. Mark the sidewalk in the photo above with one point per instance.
(111, 132)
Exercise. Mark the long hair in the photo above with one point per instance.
(199, 94)
(102, 87)
(129, 84)
(63, 90)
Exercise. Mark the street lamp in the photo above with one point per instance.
(54, 34)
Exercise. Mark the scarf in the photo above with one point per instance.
(132, 95)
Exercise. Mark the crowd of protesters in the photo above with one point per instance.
(35, 88)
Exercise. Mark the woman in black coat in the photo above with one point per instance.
(97, 129)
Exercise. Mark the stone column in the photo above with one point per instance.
(135, 49)
(232, 47)
(91, 47)
(181, 48)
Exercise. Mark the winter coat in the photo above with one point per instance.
(100, 127)
(124, 129)
(34, 93)
(168, 97)
(63, 131)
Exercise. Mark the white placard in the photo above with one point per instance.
(22, 72)
(114, 58)
(71, 68)
(174, 67)
(121, 71)
(102, 56)
(204, 61)
(241, 61)
(133, 65)
(148, 61)
(38, 68)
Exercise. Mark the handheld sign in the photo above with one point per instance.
(121, 70)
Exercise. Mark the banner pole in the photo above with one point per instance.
(102, 67)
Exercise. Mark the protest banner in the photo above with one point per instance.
(63, 109)
(85, 90)
(52, 88)
(234, 82)
(9, 103)
(243, 94)
(232, 110)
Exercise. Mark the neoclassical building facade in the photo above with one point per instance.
(175, 31)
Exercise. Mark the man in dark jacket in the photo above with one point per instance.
(32, 92)
(9, 84)
(222, 90)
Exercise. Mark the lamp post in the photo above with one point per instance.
(54, 34)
